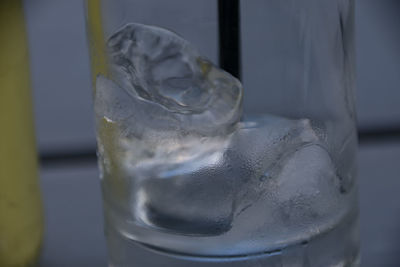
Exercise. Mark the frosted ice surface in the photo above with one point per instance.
(171, 87)
(201, 191)
(193, 167)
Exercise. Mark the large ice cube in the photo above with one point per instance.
(203, 192)
(170, 86)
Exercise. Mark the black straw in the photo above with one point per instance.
(229, 36)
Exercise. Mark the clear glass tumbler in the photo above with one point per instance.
(226, 131)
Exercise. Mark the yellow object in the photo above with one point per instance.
(96, 40)
(21, 220)
(105, 129)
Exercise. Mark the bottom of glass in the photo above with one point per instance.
(338, 247)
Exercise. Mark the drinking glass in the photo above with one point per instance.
(226, 131)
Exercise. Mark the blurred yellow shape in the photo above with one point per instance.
(96, 40)
(21, 219)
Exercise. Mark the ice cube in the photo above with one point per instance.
(190, 166)
(170, 85)
(135, 116)
(302, 198)
(203, 193)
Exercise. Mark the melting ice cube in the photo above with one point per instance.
(169, 85)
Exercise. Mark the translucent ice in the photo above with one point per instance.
(202, 190)
(190, 165)
(169, 85)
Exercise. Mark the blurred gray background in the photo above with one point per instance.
(61, 81)
(64, 124)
